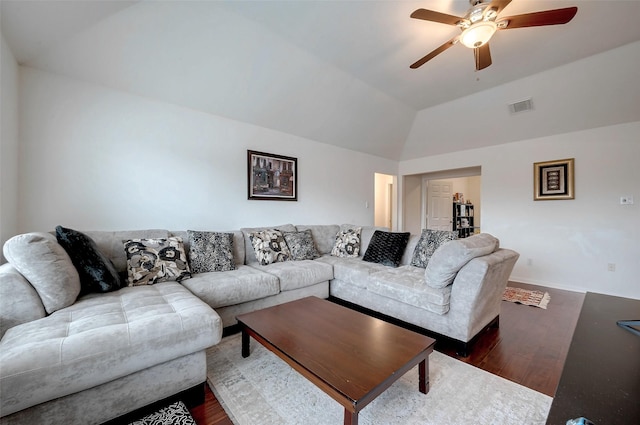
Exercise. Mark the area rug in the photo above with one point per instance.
(263, 389)
(174, 414)
(526, 297)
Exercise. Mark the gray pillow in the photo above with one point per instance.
(452, 256)
(47, 266)
(210, 251)
(430, 240)
(301, 245)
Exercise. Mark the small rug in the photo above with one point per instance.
(174, 414)
(263, 389)
(526, 297)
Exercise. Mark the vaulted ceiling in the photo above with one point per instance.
(335, 72)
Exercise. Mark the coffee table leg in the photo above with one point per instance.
(423, 384)
(245, 343)
(350, 418)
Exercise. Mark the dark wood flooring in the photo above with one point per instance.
(529, 348)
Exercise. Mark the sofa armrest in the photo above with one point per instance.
(19, 301)
(478, 288)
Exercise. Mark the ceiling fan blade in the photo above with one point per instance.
(499, 5)
(483, 56)
(435, 53)
(538, 19)
(430, 15)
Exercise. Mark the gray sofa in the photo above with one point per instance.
(111, 353)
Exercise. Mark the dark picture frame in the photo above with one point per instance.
(271, 177)
(553, 180)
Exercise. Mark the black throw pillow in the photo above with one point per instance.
(386, 248)
(97, 273)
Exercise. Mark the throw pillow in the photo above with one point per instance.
(429, 241)
(151, 261)
(97, 273)
(210, 251)
(270, 246)
(47, 266)
(386, 248)
(301, 245)
(347, 243)
(452, 256)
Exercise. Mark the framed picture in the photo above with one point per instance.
(553, 180)
(272, 177)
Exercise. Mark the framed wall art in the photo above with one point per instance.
(553, 180)
(272, 177)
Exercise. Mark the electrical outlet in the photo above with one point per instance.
(611, 267)
(626, 200)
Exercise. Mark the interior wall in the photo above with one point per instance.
(411, 204)
(98, 158)
(9, 145)
(570, 243)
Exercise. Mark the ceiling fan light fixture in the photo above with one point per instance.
(478, 34)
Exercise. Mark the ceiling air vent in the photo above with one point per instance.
(525, 105)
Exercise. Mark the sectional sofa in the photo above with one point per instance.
(82, 358)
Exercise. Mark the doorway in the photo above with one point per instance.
(385, 201)
(417, 214)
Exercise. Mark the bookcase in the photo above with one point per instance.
(463, 219)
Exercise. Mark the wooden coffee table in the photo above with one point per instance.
(350, 356)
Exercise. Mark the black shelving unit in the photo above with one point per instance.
(463, 219)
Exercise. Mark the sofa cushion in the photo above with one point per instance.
(301, 245)
(453, 255)
(324, 235)
(210, 251)
(47, 266)
(269, 246)
(246, 231)
(96, 271)
(430, 240)
(386, 248)
(221, 289)
(100, 338)
(406, 284)
(352, 270)
(299, 274)
(347, 243)
(156, 260)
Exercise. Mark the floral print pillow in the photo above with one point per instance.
(151, 261)
(270, 246)
(347, 243)
(210, 251)
(430, 240)
(301, 245)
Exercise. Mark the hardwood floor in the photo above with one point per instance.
(529, 348)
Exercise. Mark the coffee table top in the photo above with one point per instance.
(354, 354)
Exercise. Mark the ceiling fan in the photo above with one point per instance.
(480, 23)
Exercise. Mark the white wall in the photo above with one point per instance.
(98, 158)
(9, 145)
(570, 242)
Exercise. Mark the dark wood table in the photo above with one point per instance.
(601, 376)
(350, 356)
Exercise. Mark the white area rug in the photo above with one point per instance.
(263, 389)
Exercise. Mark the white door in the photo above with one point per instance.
(439, 205)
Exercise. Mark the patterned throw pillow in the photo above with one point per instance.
(430, 240)
(347, 243)
(270, 246)
(386, 248)
(210, 251)
(301, 245)
(151, 261)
